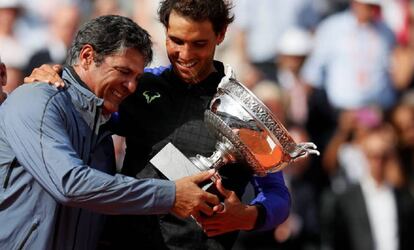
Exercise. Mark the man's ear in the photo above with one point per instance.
(86, 56)
(3, 74)
(221, 35)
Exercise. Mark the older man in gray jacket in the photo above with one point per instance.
(56, 159)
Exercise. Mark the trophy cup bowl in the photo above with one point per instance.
(246, 131)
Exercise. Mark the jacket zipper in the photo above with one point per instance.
(93, 143)
(9, 172)
(31, 230)
(98, 111)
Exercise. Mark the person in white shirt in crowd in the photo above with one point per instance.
(372, 214)
(351, 58)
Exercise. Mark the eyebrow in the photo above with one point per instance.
(122, 67)
(196, 41)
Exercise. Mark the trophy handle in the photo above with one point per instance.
(303, 149)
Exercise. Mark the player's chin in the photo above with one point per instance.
(188, 78)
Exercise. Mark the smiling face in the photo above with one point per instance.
(114, 78)
(191, 46)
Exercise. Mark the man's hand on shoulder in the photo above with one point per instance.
(47, 73)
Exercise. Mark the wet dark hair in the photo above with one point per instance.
(108, 35)
(216, 11)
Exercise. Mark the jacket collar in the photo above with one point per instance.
(85, 101)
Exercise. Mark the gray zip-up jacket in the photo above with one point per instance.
(53, 189)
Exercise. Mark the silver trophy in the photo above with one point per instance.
(246, 131)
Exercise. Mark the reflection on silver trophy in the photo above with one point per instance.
(246, 131)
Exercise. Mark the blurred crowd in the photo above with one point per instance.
(339, 73)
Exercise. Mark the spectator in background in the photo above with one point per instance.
(3, 81)
(396, 14)
(292, 51)
(343, 158)
(145, 14)
(106, 7)
(12, 52)
(345, 163)
(62, 28)
(347, 69)
(402, 70)
(402, 118)
(372, 214)
(351, 58)
(259, 26)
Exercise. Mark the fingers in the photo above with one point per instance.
(211, 198)
(29, 79)
(226, 193)
(52, 74)
(219, 208)
(196, 216)
(206, 209)
(57, 68)
(203, 176)
(46, 73)
(59, 84)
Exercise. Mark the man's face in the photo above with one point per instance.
(377, 147)
(365, 12)
(8, 17)
(191, 46)
(115, 77)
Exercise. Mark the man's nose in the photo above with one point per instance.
(185, 52)
(131, 85)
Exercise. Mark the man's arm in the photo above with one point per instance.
(35, 129)
(313, 71)
(274, 196)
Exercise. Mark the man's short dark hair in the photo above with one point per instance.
(108, 35)
(215, 11)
